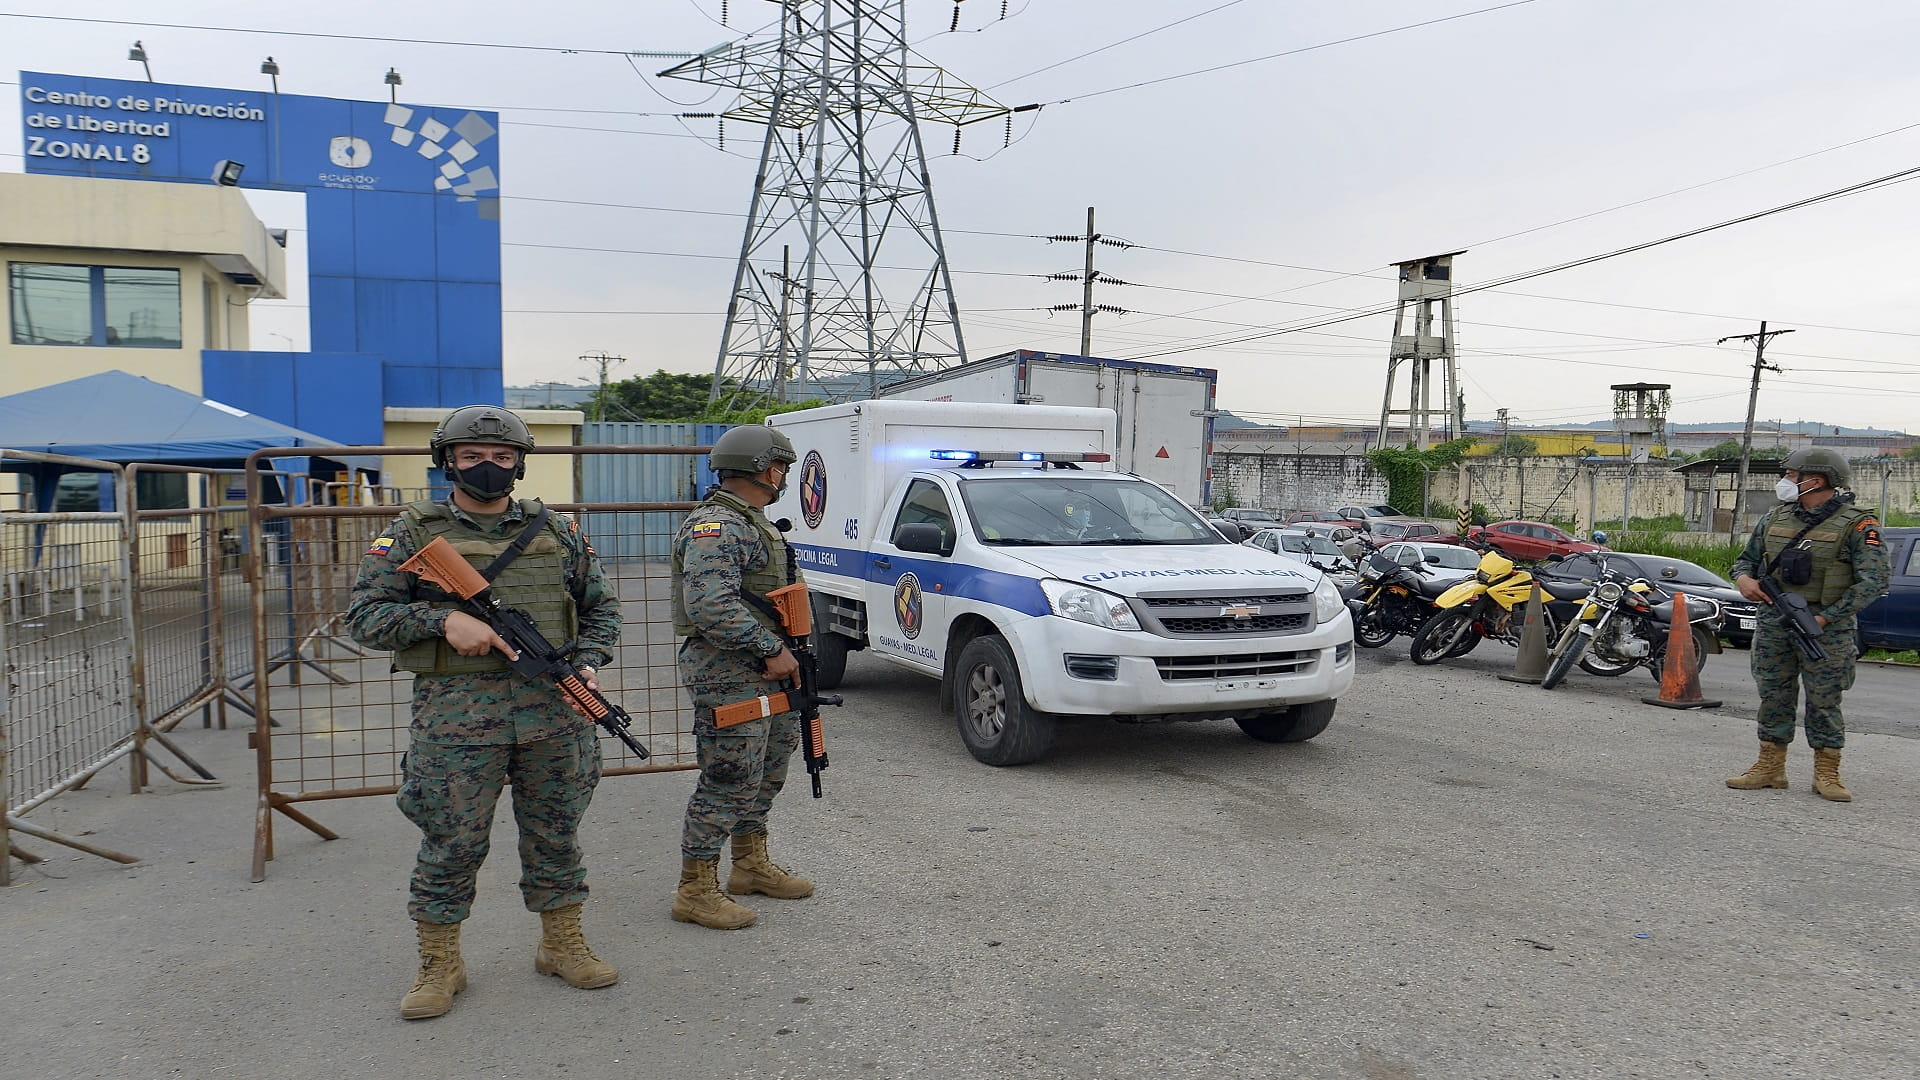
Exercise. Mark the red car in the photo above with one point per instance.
(1531, 540)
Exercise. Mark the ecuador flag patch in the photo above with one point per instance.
(706, 530)
(381, 546)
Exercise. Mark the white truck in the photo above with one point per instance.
(1162, 414)
(995, 548)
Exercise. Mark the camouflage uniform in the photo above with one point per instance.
(1850, 571)
(474, 731)
(726, 544)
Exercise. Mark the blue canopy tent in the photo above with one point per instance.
(114, 416)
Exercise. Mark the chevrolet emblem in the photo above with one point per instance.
(1240, 612)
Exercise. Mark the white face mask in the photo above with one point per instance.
(1787, 490)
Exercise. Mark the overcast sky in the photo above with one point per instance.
(1261, 196)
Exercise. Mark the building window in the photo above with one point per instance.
(123, 307)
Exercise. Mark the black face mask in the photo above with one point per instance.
(485, 481)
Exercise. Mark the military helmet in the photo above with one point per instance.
(1820, 461)
(481, 424)
(750, 448)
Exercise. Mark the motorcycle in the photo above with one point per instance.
(1390, 599)
(1490, 604)
(1624, 622)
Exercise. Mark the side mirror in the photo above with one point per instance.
(920, 537)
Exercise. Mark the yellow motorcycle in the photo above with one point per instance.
(1490, 604)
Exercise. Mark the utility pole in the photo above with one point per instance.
(603, 362)
(1753, 400)
(1086, 292)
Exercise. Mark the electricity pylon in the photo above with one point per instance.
(842, 181)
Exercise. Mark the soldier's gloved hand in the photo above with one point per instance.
(781, 666)
(471, 637)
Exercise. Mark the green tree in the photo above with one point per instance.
(663, 395)
(1723, 451)
(1516, 446)
(755, 416)
(1911, 453)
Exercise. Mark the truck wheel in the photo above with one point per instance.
(830, 649)
(996, 723)
(1297, 724)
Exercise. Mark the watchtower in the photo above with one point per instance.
(1424, 284)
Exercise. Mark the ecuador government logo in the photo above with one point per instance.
(906, 605)
(813, 489)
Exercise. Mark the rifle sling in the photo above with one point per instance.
(518, 546)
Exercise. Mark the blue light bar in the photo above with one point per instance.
(954, 455)
(1030, 455)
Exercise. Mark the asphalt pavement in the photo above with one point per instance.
(1461, 878)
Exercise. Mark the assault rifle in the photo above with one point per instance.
(439, 564)
(1795, 617)
(800, 694)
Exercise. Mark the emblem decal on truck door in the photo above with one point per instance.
(906, 604)
(813, 489)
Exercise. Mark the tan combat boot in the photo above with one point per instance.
(1768, 772)
(563, 951)
(1826, 775)
(700, 900)
(753, 872)
(442, 974)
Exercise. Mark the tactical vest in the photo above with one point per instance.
(536, 583)
(1826, 542)
(758, 582)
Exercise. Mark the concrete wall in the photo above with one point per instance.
(1564, 488)
(1287, 482)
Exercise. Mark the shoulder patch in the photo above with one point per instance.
(381, 546)
(706, 530)
(1869, 534)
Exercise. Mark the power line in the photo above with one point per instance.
(349, 37)
(1292, 52)
(1114, 45)
(1851, 189)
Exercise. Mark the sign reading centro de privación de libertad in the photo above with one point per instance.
(403, 209)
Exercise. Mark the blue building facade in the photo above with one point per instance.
(403, 230)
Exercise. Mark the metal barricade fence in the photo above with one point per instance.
(66, 653)
(331, 718)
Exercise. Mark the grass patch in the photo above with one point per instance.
(1905, 656)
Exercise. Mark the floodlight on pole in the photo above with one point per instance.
(393, 85)
(139, 52)
(272, 70)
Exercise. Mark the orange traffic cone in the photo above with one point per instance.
(1679, 681)
(1530, 664)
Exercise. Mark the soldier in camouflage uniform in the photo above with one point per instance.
(476, 724)
(732, 651)
(1848, 571)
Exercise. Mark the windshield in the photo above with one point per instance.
(1068, 509)
(1453, 558)
(1305, 545)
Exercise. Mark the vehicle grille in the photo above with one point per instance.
(1201, 616)
(1259, 624)
(1243, 666)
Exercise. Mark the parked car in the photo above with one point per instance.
(1531, 540)
(1893, 621)
(1363, 517)
(1444, 562)
(1304, 517)
(1300, 546)
(1674, 575)
(1251, 515)
(1422, 531)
